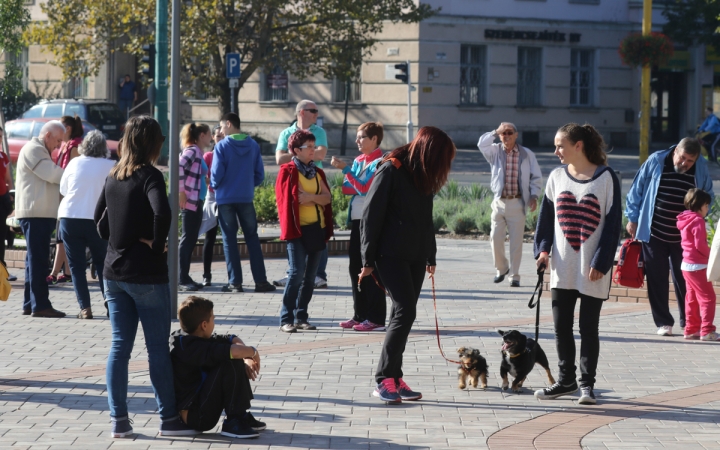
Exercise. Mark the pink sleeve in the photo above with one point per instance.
(701, 244)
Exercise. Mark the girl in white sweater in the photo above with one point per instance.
(579, 224)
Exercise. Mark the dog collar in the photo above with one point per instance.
(519, 354)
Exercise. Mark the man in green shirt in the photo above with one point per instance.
(307, 113)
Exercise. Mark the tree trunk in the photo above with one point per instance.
(343, 142)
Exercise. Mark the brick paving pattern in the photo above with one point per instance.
(315, 387)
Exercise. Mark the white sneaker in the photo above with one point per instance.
(281, 282)
(320, 282)
(665, 330)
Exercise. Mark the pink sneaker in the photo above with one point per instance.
(349, 323)
(368, 326)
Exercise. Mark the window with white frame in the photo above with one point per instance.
(581, 77)
(472, 75)
(274, 85)
(351, 90)
(529, 71)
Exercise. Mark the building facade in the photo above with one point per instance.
(536, 63)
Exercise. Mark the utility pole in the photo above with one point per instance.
(409, 123)
(161, 64)
(173, 159)
(645, 88)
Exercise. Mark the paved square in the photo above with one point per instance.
(315, 387)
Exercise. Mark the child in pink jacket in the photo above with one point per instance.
(700, 296)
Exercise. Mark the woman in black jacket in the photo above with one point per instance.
(398, 239)
(133, 215)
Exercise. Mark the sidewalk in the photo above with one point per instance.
(315, 387)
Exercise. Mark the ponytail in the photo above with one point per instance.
(75, 124)
(191, 132)
(593, 144)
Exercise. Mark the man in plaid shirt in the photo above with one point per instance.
(516, 183)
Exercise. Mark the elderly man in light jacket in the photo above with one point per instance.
(516, 183)
(37, 197)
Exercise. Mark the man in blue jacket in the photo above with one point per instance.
(711, 125)
(237, 169)
(653, 203)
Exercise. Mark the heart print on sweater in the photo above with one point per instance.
(578, 220)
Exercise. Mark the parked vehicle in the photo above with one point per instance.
(22, 130)
(104, 116)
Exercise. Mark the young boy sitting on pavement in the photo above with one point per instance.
(212, 373)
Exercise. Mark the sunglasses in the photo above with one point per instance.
(314, 111)
(508, 133)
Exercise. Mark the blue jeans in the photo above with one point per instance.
(228, 216)
(79, 234)
(124, 105)
(38, 232)
(128, 302)
(301, 282)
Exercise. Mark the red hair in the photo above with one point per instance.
(298, 139)
(428, 157)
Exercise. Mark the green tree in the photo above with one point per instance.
(14, 19)
(693, 22)
(296, 34)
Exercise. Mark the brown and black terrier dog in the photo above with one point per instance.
(472, 366)
(519, 355)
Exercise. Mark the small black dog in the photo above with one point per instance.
(472, 366)
(519, 356)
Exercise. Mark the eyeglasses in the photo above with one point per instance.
(508, 133)
(307, 146)
(313, 111)
(361, 137)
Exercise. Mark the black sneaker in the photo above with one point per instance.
(253, 423)
(232, 288)
(121, 427)
(235, 428)
(305, 326)
(188, 287)
(587, 396)
(207, 280)
(555, 391)
(288, 328)
(264, 287)
(176, 427)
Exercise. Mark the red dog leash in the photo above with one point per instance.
(437, 327)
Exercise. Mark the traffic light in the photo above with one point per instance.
(403, 75)
(149, 60)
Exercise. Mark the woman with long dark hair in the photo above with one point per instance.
(579, 225)
(133, 215)
(398, 242)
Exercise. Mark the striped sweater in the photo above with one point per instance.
(579, 226)
(190, 175)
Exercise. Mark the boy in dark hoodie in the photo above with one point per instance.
(212, 373)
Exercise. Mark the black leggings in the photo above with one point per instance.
(208, 248)
(403, 281)
(563, 307)
(227, 388)
(368, 303)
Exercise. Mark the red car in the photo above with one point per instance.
(20, 131)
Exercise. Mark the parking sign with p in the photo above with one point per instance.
(232, 65)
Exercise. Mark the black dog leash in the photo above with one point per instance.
(536, 303)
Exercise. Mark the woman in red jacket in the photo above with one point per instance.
(306, 223)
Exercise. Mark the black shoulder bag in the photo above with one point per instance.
(313, 235)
